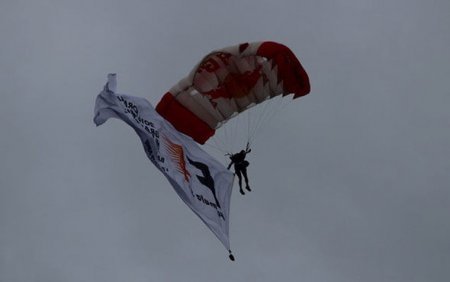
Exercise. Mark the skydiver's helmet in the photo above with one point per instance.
(242, 152)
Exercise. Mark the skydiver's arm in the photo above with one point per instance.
(230, 164)
(248, 150)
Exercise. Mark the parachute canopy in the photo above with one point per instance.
(229, 81)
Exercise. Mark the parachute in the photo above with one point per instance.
(230, 81)
(224, 85)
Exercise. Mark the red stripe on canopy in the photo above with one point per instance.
(295, 79)
(184, 120)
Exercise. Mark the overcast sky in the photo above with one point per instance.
(351, 184)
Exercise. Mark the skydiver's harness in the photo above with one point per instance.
(238, 159)
(239, 162)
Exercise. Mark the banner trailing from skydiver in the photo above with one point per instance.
(203, 183)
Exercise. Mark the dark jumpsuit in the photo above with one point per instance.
(240, 168)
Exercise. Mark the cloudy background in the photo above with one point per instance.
(351, 184)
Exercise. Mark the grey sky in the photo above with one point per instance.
(353, 184)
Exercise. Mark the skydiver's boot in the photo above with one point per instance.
(242, 191)
(248, 188)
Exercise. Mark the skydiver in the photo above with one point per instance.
(240, 167)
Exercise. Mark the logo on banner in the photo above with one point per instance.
(176, 153)
(178, 157)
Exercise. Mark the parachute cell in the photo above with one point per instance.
(229, 81)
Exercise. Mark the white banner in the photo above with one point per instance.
(203, 183)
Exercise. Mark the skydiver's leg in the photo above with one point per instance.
(238, 173)
(244, 172)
